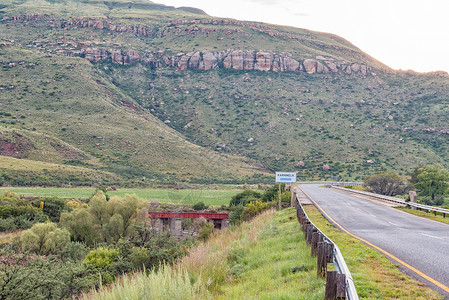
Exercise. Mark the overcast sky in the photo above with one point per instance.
(402, 34)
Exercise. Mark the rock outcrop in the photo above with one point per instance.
(230, 59)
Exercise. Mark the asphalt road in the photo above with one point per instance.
(421, 243)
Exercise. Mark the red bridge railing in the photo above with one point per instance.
(187, 215)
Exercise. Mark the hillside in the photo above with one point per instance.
(234, 99)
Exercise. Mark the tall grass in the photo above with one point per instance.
(209, 260)
(162, 284)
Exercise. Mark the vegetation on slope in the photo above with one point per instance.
(69, 104)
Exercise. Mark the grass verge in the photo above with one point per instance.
(375, 277)
(426, 215)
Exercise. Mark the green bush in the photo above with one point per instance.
(199, 206)
(253, 208)
(50, 278)
(101, 257)
(44, 238)
(245, 197)
(139, 257)
(236, 214)
(16, 213)
(53, 207)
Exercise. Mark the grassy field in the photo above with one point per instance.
(185, 196)
(266, 258)
(375, 277)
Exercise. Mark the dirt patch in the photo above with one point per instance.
(15, 146)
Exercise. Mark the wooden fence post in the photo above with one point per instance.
(341, 286)
(321, 259)
(335, 286)
(314, 244)
(310, 230)
(331, 286)
(329, 253)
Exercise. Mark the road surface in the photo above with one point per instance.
(423, 244)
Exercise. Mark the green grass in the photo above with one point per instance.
(184, 196)
(439, 217)
(375, 277)
(278, 265)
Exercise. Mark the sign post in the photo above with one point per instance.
(284, 177)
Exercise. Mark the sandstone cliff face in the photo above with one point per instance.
(230, 59)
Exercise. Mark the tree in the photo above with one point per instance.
(388, 184)
(44, 238)
(432, 181)
(81, 225)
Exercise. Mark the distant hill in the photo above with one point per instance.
(152, 93)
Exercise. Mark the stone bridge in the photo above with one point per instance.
(172, 220)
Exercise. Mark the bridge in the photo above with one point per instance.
(172, 219)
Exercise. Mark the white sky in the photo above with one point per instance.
(402, 34)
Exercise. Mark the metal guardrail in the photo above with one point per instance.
(338, 259)
(331, 182)
(398, 200)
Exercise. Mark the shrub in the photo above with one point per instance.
(236, 214)
(253, 208)
(24, 278)
(81, 226)
(101, 257)
(44, 238)
(245, 197)
(53, 207)
(139, 257)
(199, 206)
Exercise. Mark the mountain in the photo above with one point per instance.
(151, 93)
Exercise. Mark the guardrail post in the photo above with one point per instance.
(310, 230)
(335, 286)
(293, 198)
(413, 198)
(316, 238)
(341, 286)
(329, 253)
(322, 259)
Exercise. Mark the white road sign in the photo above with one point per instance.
(286, 177)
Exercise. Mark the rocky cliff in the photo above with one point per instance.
(202, 60)
(230, 59)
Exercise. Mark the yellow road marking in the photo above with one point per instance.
(440, 285)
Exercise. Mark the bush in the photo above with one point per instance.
(236, 214)
(272, 193)
(53, 207)
(25, 278)
(139, 257)
(17, 213)
(245, 197)
(101, 257)
(44, 238)
(199, 206)
(253, 208)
